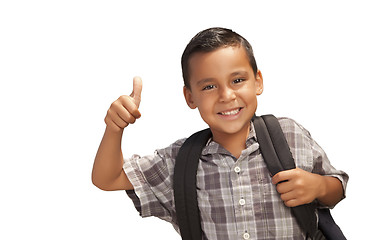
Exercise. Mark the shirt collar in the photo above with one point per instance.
(213, 147)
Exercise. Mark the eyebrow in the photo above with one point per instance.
(237, 73)
(205, 80)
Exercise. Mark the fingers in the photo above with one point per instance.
(294, 198)
(285, 187)
(296, 187)
(126, 108)
(122, 112)
(283, 176)
(136, 92)
(289, 194)
(293, 203)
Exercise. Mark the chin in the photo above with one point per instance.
(231, 130)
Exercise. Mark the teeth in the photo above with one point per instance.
(233, 112)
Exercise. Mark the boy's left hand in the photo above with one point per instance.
(298, 187)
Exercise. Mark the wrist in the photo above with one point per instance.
(332, 191)
(114, 132)
(322, 183)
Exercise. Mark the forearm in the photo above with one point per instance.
(107, 172)
(332, 191)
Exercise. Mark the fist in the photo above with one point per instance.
(125, 109)
(297, 187)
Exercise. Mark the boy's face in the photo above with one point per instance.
(224, 89)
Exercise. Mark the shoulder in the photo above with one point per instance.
(162, 161)
(290, 125)
(291, 128)
(172, 150)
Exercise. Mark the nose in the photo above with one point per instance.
(227, 94)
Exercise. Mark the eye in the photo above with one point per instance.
(208, 87)
(238, 80)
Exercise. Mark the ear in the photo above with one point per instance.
(259, 83)
(189, 98)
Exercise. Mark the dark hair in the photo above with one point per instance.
(211, 39)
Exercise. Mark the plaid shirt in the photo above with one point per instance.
(236, 197)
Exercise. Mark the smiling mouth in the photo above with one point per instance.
(231, 112)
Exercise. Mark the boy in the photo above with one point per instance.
(237, 197)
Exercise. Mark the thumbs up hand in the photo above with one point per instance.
(125, 109)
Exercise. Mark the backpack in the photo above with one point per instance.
(276, 153)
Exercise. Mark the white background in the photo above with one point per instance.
(62, 63)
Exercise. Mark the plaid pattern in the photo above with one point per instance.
(236, 197)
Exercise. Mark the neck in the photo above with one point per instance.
(235, 142)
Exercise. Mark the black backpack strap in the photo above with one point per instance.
(328, 226)
(278, 139)
(276, 153)
(266, 146)
(185, 192)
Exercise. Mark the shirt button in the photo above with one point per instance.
(242, 202)
(237, 169)
(246, 236)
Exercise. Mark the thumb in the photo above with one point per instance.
(136, 92)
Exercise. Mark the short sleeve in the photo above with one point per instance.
(152, 179)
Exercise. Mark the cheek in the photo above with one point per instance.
(204, 102)
(248, 95)
(249, 100)
(206, 116)
(205, 108)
